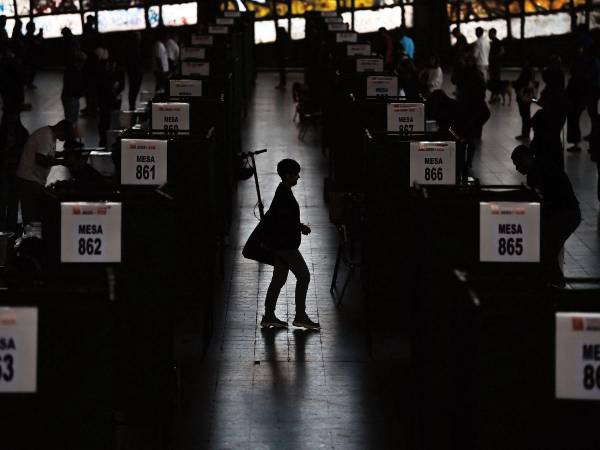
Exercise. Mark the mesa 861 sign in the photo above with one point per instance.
(432, 163)
(509, 232)
(143, 162)
(578, 355)
(90, 232)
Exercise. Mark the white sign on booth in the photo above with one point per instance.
(509, 232)
(406, 117)
(433, 162)
(18, 349)
(369, 65)
(195, 68)
(90, 232)
(341, 26)
(348, 36)
(358, 50)
(234, 14)
(171, 116)
(143, 162)
(578, 356)
(225, 21)
(198, 39)
(382, 86)
(193, 53)
(185, 88)
(218, 29)
(333, 19)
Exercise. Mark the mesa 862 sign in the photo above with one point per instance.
(90, 232)
(509, 232)
(433, 162)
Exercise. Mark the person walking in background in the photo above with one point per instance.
(406, 43)
(481, 52)
(384, 46)
(525, 88)
(579, 87)
(431, 76)
(33, 53)
(172, 52)
(90, 42)
(135, 73)
(160, 62)
(282, 236)
(112, 83)
(13, 136)
(460, 47)
(496, 53)
(73, 86)
(282, 47)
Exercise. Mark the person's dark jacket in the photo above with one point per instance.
(282, 231)
(551, 181)
(73, 81)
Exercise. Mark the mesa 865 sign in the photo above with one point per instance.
(433, 163)
(509, 232)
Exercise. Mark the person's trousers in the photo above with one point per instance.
(525, 113)
(574, 111)
(558, 226)
(135, 82)
(30, 195)
(71, 107)
(161, 81)
(286, 260)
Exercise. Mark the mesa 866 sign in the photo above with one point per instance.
(433, 162)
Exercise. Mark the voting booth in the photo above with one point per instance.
(520, 362)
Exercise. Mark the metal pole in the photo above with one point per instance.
(261, 209)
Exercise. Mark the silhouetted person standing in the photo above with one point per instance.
(496, 52)
(134, 67)
(160, 61)
(525, 92)
(282, 237)
(560, 214)
(73, 86)
(282, 44)
(481, 52)
(578, 89)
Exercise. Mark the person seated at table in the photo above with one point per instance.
(39, 155)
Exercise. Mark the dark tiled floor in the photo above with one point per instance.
(293, 389)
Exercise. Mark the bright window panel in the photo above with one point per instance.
(515, 26)
(55, 6)
(298, 28)
(23, 7)
(409, 13)
(7, 8)
(52, 25)
(264, 31)
(559, 23)
(153, 16)
(476, 9)
(370, 21)
(181, 14)
(283, 23)
(468, 29)
(281, 9)
(121, 20)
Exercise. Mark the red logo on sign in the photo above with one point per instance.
(102, 210)
(76, 210)
(577, 323)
